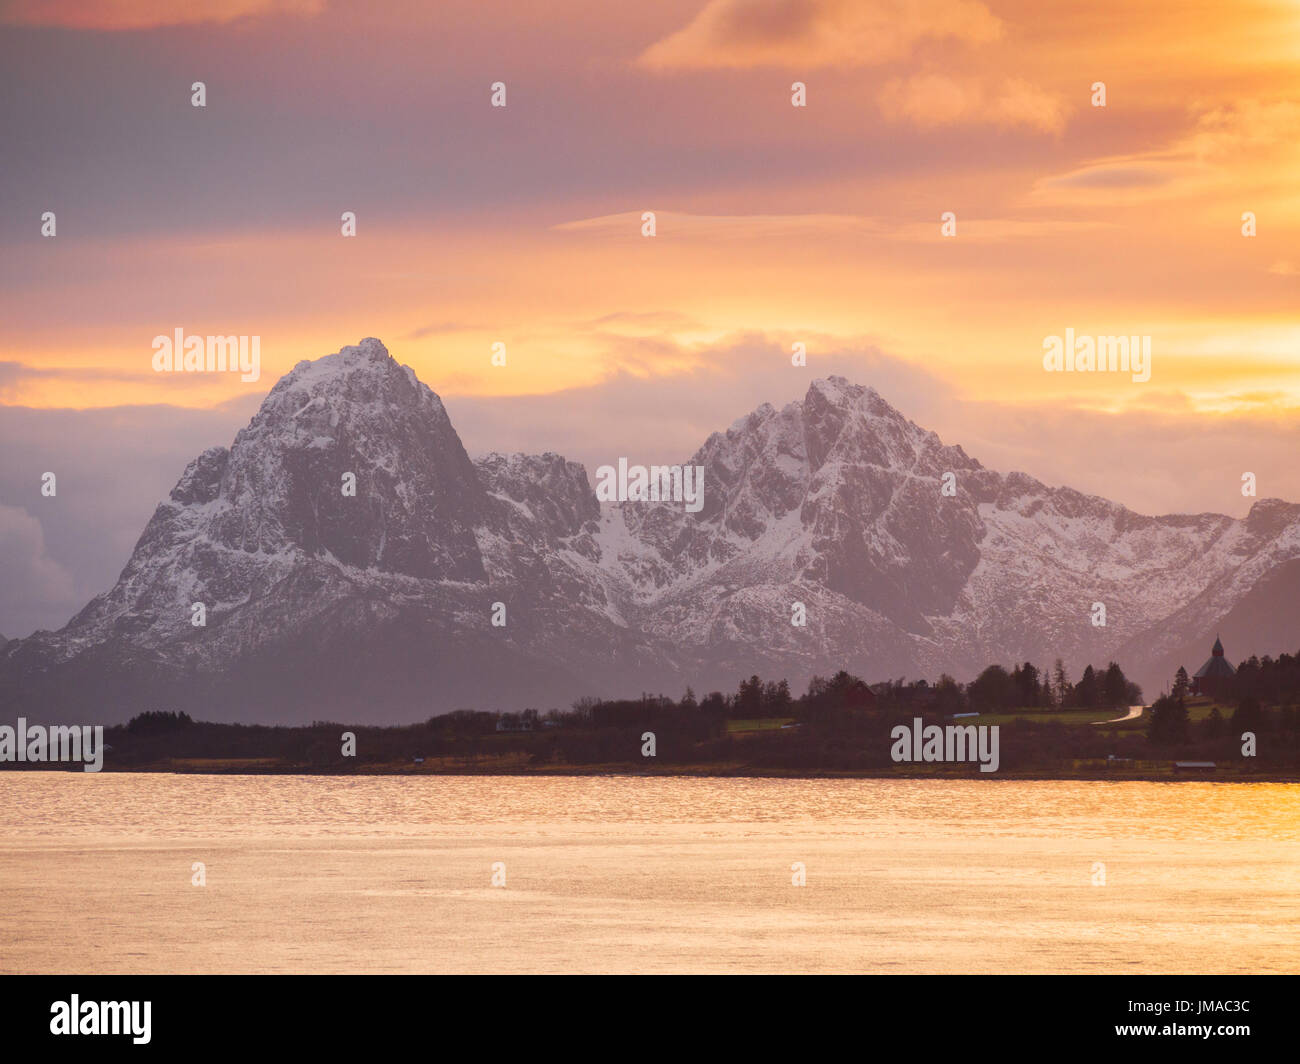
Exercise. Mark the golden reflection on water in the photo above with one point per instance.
(624, 874)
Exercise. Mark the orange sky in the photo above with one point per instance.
(1123, 219)
(522, 225)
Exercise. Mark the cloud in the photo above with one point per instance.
(38, 590)
(441, 328)
(720, 226)
(931, 100)
(16, 378)
(1002, 230)
(1253, 126)
(114, 465)
(145, 14)
(662, 320)
(771, 226)
(809, 34)
(805, 35)
(1239, 149)
(14, 374)
(662, 399)
(1122, 174)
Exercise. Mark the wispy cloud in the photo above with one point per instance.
(810, 34)
(38, 589)
(934, 99)
(682, 225)
(720, 226)
(145, 14)
(1241, 148)
(441, 328)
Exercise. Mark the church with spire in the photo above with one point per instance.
(1212, 678)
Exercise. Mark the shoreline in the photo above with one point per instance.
(239, 767)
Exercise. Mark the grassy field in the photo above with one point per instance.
(222, 764)
(1069, 717)
(1047, 716)
(757, 724)
(1198, 711)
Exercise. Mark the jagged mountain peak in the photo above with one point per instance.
(1270, 516)
(837, 389)
(771, 461)
(370, 352)
(361, 376)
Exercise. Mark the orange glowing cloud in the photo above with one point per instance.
(939, 100)
(1246, 149)
(145, 14)
(810, 34)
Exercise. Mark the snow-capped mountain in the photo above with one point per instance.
(444, 582)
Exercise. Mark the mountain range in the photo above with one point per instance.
(379, 606)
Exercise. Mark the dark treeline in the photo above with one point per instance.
(839, 724)
(1271, 680)
(1024, 687)
(1262, 698)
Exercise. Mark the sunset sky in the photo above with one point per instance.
(522, 224)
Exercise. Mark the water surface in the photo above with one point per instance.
(634, 874)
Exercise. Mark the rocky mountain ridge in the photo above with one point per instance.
(380, 605)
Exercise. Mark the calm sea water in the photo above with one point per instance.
(624, 874)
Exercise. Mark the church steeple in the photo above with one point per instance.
(1212, 677)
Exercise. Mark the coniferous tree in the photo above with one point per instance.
(1168, 725)
(749, 698)
(1248, 716)
(1214, 725)
(1115, 686)
(993, 689)
(948, 696)
(776, 699)
(1026, 677)
(1087, 691)
(1064, 692)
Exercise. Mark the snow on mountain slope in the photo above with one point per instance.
(380, 605)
